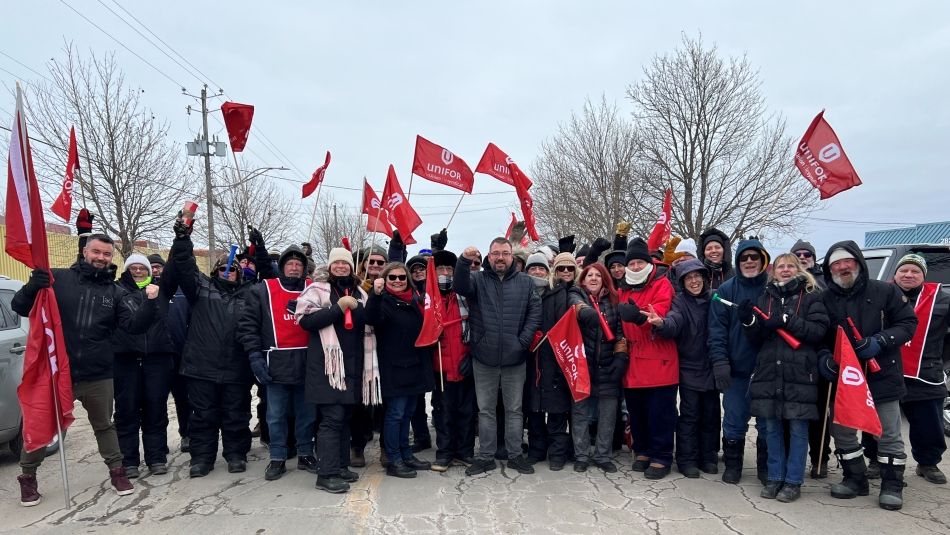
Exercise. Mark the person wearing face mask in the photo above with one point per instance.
(651, 379)
(395, 311)
(144, 365)
(784, 388)
(733, 357)
(213, 359)
(714, 252)
(697, 428)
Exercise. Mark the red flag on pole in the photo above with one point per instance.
(237, 120)
(438, 164)
(568, 345)
(432, 314)
(316, 178)
(521, 182)
(63, 205)
(377, 219)
(822, 161)
(401, 214)
(854, 406)
(663, 225)
(46, 382)
(496, 163)
(511, 227)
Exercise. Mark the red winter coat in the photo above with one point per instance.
(653, 359)
(453, 349)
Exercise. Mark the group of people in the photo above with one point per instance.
(683, 346)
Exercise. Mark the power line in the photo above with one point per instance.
(27, 67)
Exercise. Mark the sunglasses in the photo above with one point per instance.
(222, 269)
(749, 258)
(375, 262)
(804, 254)
(396, 277)
(561, 269)
(476, 262)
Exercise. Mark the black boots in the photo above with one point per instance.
(762, 460)
(855, 482)
(892, 482)
(732, 450)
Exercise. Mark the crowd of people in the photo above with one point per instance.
(683, 345)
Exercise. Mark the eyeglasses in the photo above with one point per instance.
(476, 262)
(751, 257)
(804, 254)
(504, 254)
(222, 269)
(138, 268)
(372, 262)
(396, 277)
(561, 269)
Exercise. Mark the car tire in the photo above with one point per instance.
(946, 417)
(16, 445)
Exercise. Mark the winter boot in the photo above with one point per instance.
(762, 460)
(732, 450)
(892, 482)
(855, 482)
(29, 492)
(874, 469)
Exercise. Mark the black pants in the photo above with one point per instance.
(180, 393)
(141, 384)
(697, 428)
(219, 407)
(925, 430)
(361, 427)
(453, 416)
(653, 421)
(333, 438)
(815, 427)
(420, 422)
(548, 436)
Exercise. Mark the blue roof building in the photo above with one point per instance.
(932, 233)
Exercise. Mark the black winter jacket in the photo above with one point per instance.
(318, 389)
(404, 369)
(686, 323)
(156, 340)
(546, 387)
(91, 306)
(255, 331)
(719, 273)
(930, 383)
(785, 381)
(504, 313)
(212, 351)
(600, 352)
(876, 307)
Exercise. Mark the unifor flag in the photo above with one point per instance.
(511, 228)
(377, 219)
(854, 406)
(439, 164)
(568, 345)
(401, 214)
(662, 227)
(237, 120)
(822, 161)
(496, 163)
(432, 313)
(63, 205)
(316, 178)
(46, 381)
(521, 182)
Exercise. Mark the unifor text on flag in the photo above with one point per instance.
(821, 160)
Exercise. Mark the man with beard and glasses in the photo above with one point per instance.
(879, 321)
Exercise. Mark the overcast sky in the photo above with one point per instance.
(363, 78)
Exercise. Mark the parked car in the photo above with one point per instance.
(13, 331)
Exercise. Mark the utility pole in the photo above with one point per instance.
(208, 191)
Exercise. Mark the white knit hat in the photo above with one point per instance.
(339, 253)
(136, 258)
(687, 246)
(839, 254)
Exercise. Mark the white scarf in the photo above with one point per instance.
(636, 278)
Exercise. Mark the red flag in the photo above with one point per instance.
(46, 380)
(316, 178)
(432, 314)
(401, 214)
(568, 345)
(496, 163)
(854, 406)
(377, 219)
(522, 182)
(438, 164)
(822, 161)
(63, 205)
(511, 227)
(662, 227)
(237, 119)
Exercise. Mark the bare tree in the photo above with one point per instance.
(332, 221)
(707, 135)
(585, 177)
(132, 178)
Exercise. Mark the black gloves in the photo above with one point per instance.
(745, 312)
(631, 313)
(869, 347)
(181, 229)
(39, 278)
(598, 248)
(259, 367)
(827, 367)
(84, 222)
(566, 244)
(439, 241)
(722, 374)
(255, 238)
(776, 321)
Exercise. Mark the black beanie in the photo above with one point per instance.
(713, 237)
(156, 259)
(637, 249)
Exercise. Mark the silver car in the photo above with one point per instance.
(13, 331)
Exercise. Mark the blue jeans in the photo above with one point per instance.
(284, 401)
(790, 468)
(735, 411)
(396, 424)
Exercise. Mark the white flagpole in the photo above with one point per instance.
(456, 210)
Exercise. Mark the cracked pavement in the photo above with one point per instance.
(500, 501)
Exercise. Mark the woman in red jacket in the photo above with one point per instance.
(651, 380)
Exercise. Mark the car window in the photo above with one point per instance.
(938, 264)
(8, 319)
(875, 264)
